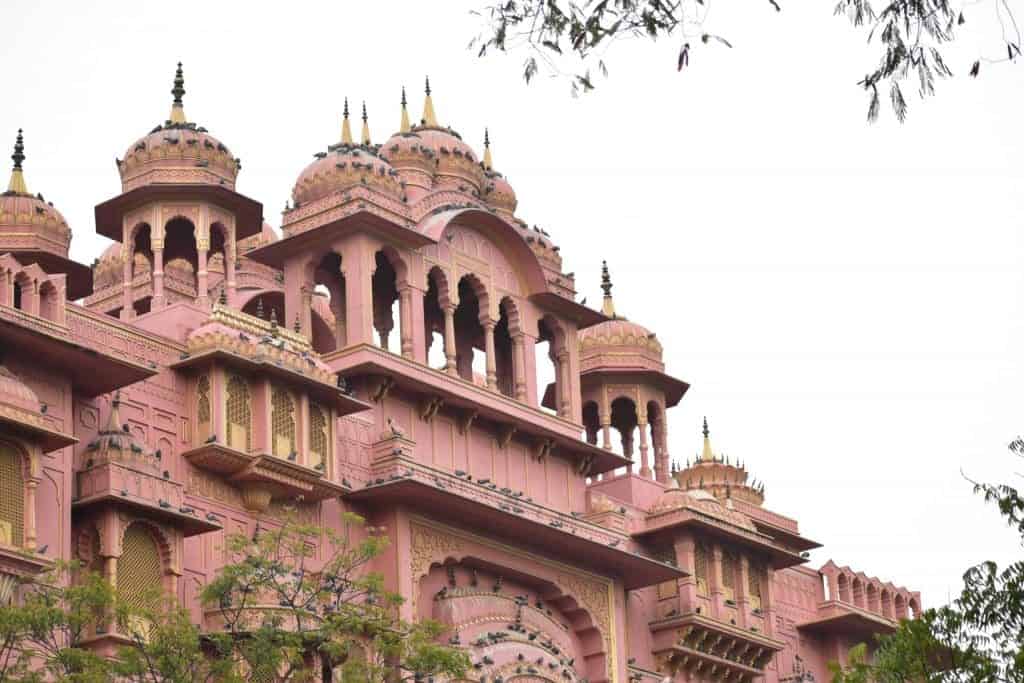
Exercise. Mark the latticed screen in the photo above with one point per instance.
(203, 406)
(729, 575)
(319, 435)
(239, 413)
(282, 418)
(138, 569)
(700, 567)
(755, 580)
(12, 497)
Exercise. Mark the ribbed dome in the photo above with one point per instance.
(623, 335)
(457, 165)
(499, 193)
(178, 151)
(21, 213)
(342, 167)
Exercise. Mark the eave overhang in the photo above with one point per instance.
(35, 429)
(248, 212)
(835, 617)
(455, 392)
(22, 562)
(329, 394)
(405, 482)
(49, 345)
(360, 220)
(79, 282)
(583, 316)
(708, 647)
(190, 525)
(786, 537)
(674, 388)
(693, 519)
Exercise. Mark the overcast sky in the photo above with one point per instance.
(845, 299)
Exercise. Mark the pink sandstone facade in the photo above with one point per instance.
(381, 357)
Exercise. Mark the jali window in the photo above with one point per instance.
(239, 414)
(729, 575)
(700, 568)
(12, 497)
(319, 436)
(755, 580)
(282, 419)
(138, 569)
(203, 412)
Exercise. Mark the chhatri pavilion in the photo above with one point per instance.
(408, 348)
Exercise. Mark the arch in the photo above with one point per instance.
(858, 592)
(914, 607)
(508, 333)
(843, 588)
(140, 567)
(49, 301)
(328, 275)
(886, 603)
(181, 243)
(282, 420)
(900, 606)
(23, 291)
(269, 301)
(552, 338)
(436, 301)
(469, 316)
(872, 598)
(505, 236)
(591, 421)
(389, 273)
(625, 420)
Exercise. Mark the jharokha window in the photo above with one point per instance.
(12, 497)
(282, 418)
(138, 569)
(729, 576)
(239, 414)
(755, 580)
(203, 412)
(700, 568)
(319, 437)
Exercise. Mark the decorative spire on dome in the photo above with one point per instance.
(177, 107)
(366, 127)
(429, 118)
(488, 162)
(346, 128)
(114, 421)
(608, 307)
(17, 184)
(707, 455)
(404, 126)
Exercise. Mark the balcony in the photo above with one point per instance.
(710, 649)
(397, 478)
(547, 431)
(835, 617)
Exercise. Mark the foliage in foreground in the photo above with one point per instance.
(281, 620)
(979, 637)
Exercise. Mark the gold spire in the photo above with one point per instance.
(429, 118)
(488, 163)
(177, 107)
(114, 421)
(366, 127)
(346, 129)
(404, 127)
(608, 307)
(17, 184)
(707, 455)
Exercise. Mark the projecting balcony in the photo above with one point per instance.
(437, 388)
(711, 649)
(397, 477)
(835, 617)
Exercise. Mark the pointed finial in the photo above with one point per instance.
(404, 127)
(366, 127)
(273, 318)
(298, 323)
(223, 301)
(259, 308)
(346, 129)
(429, 118)
(488, 162)
(17, 183)
(177, 107)
(707, 455)
(114, 421)
(608, 308)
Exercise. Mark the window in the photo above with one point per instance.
(700, 568)
(203, 407)
(319, 437)
(282, 419)
(755, 579)
(239, 414)
(12, 497)
(139, 572)
(729, 576)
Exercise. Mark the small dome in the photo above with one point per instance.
(21, 213)
(619, 334)
(499, 193)
(342, 167)
(178, 151)
(457, 165)
(409, 152)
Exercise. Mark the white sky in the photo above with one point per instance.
(845, 300)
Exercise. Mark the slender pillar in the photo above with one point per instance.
(492, 366)
(606, 432)
(645, 461)
(30, 514)
(519, 365)
(564, 382)
(449, 339)
(127, 311)
(306, 312)
(159, 299)
(661, 456)
(405, 317)
(202, 276)
(230, 276)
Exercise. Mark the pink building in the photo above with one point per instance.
(384, 355)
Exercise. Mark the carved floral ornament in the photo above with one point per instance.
(433, 543)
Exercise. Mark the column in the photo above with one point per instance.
(661, 457)
(305, 312)
(742, 595)
(519, 365)
(127, 311)
(202, 286)
(405, 322)
(645, 462)
(159, 300)
(492, 367)
(564, 383)
(30, 514)
(606, 432)
(715, 589)
(230, 276)
(449, 339)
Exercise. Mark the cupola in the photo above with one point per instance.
(723, 478)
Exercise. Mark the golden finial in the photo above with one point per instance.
(17, 184)
(488, 163)
(177, 107)
(608, 307)
(346, 129)
(429, 118)
(366, 127)
(404, 127)
(707, 455)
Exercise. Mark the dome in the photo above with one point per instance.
(457, 165)
(21, 213)
(178, 151)
(344, 166)
(499, 193)
(617, 342)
